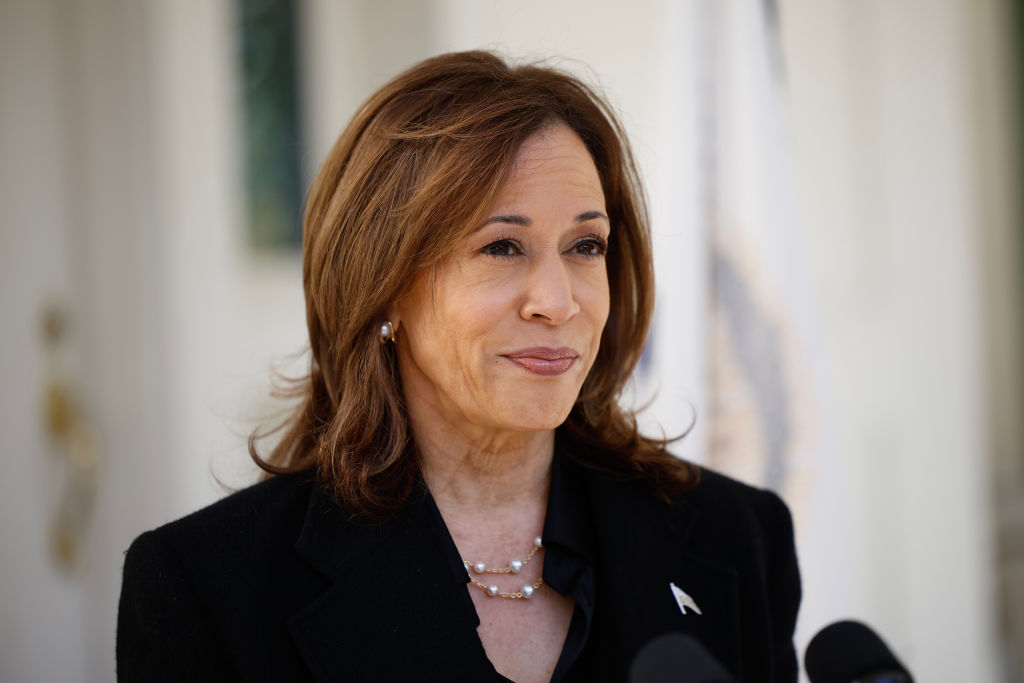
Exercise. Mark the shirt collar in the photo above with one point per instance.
(568, 522)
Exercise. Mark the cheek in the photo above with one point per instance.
(598, 298)
(445, 336)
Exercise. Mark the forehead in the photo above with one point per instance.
(553, 159)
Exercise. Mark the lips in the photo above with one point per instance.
(544, 361)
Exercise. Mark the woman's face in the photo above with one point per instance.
(504, 336)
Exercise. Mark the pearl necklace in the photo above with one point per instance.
(514, 566)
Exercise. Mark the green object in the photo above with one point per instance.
(272, 147)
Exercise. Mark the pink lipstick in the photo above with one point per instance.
(541, 360)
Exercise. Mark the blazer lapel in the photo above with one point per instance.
(644, 550)
(397, 607)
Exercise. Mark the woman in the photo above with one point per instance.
(459, 495)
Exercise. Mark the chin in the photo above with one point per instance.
(540, 416)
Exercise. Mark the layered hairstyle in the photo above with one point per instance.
(414, 172)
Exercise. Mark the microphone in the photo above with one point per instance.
(676, 658)
(850, 652)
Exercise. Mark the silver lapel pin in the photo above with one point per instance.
(683, 599)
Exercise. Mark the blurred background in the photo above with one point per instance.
(835, 187)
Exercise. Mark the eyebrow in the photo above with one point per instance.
(515, 219)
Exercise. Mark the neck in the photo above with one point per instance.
(491, 486)
(476, 474)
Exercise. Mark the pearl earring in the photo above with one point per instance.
(386, 332)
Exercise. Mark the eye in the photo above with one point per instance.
(502, 248)
(591, 247)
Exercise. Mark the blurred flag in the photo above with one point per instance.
(761, 396)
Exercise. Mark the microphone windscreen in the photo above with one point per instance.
(849, 651)
(676, 658)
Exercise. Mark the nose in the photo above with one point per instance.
(548, 293)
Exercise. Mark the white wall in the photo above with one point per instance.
(117, 179)
(885, 143)
(34, 265)
(74, 187)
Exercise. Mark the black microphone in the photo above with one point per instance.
(850, 652)
(676, 658)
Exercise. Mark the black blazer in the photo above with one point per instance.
(274, 583)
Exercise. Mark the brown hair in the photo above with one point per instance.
(416, 168)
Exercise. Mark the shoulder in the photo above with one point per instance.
(272, 507)
(221, 546)
(720, 497)
(720, 518)
(188, 585)
(714, 500)
(730, 539)
(730, 517)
